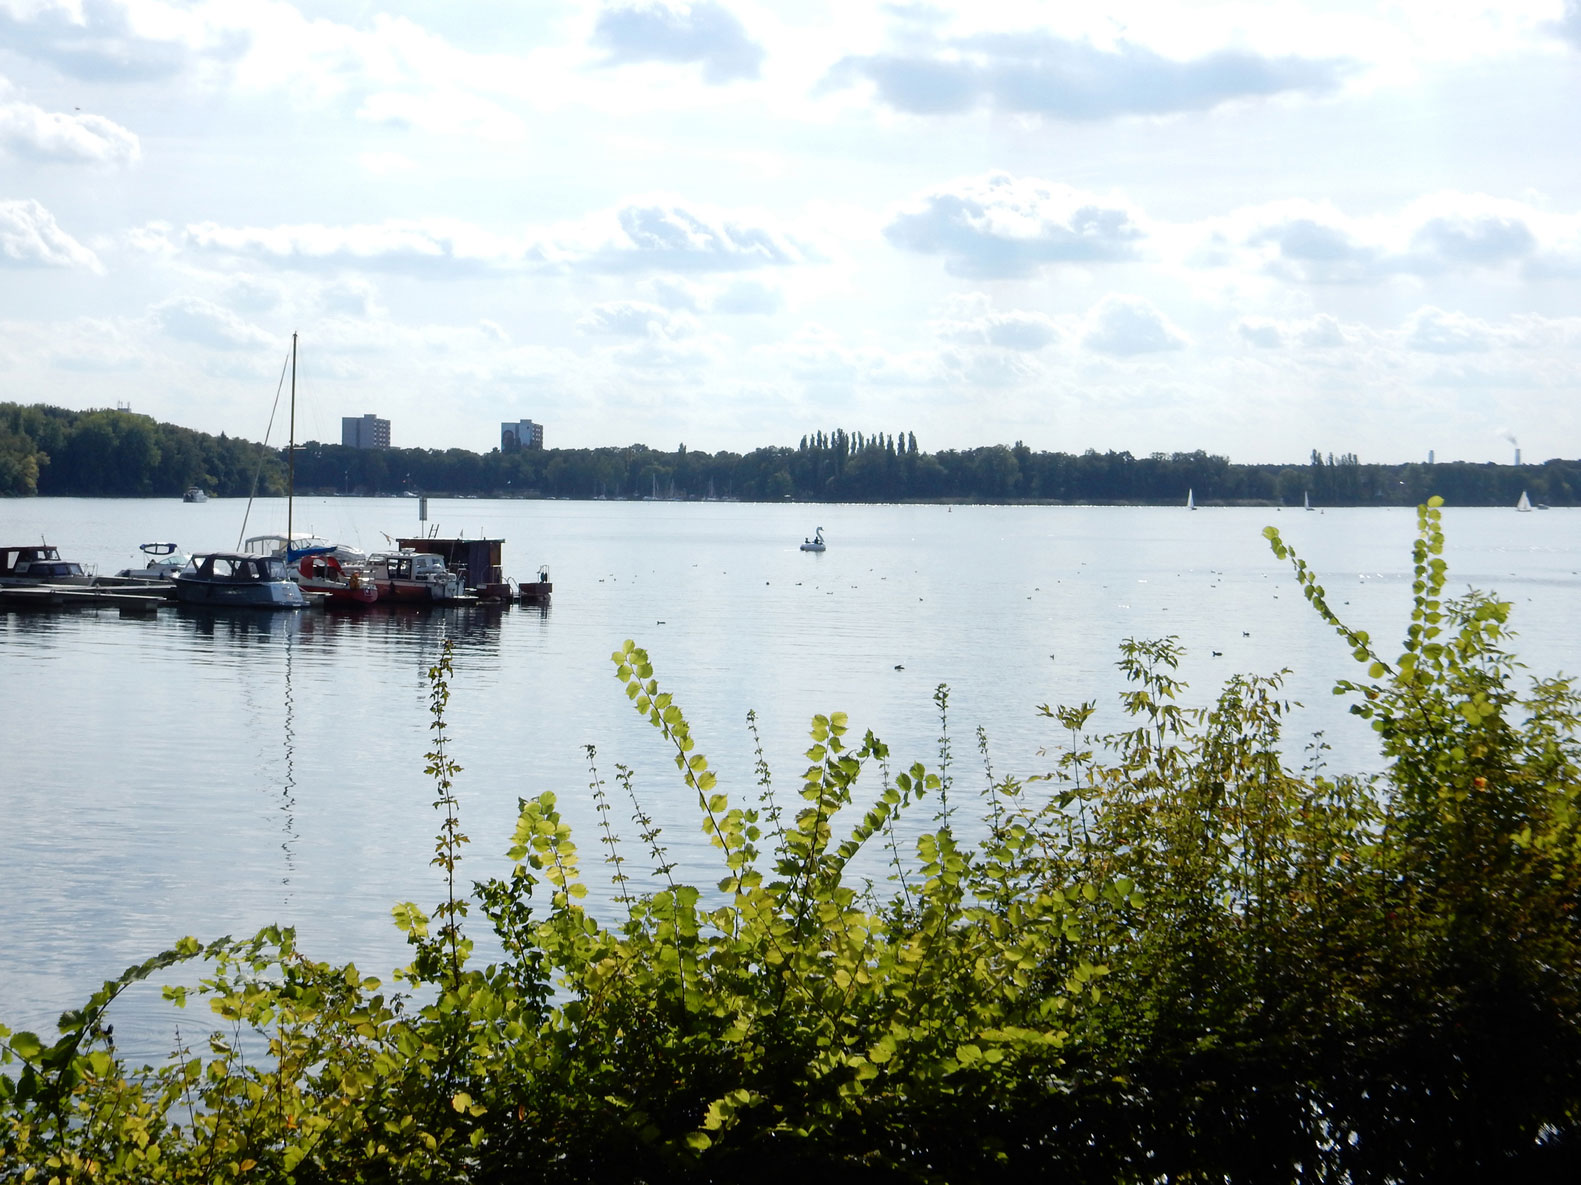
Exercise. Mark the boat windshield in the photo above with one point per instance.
(55, 569)
(242, 567)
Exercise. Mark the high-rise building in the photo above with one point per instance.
(364, 431)
(522, 434)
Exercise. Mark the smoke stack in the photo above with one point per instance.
(1429, 456)
(1517, 456)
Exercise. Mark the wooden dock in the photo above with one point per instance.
(128, 598)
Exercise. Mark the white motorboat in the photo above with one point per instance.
(164, 561)
(414, 577)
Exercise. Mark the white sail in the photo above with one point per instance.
(1305, 501)
(1525, 503)
(1191, 503)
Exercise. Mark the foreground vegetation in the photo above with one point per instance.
(1172, 958)
(51, 451)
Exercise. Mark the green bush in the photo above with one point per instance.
(1170, 958)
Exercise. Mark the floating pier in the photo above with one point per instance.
(536, 592)
(131, 599)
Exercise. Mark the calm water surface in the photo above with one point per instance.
(207, 774)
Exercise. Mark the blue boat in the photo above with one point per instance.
(245, 581)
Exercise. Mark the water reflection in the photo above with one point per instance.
(288, 791)
(473, 627)
(244, 626)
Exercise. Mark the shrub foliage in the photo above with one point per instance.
(1172, 957)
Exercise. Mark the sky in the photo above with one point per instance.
(1256, 229)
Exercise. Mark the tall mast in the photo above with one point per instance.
(290, 457)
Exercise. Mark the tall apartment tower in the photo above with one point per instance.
(364, 431)
(521, 434)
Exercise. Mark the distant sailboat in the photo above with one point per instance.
(1191, 503)
(1525, 504)
(1306, 503)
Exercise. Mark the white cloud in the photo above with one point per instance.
(989, 369)
(351, 296)
(1442, 234)
(403, 244)
(1568, 26)
(104, 41)
(675, 293)
(1478, 240)
(646, 235)
(1436, 332)
(748, 297)
(194, 319)
(1322, 333)
(1039, 73)
(29, 130)
(972, 322)
(254, 294)
(30, 238)
(821, 358)
(1126, 326)
(660, 353)
(385, 164)
(700, 32)
(1312, 244)
(1260, 332)
(998, 226)
(443, 112)
(669, 235)
(633, 318)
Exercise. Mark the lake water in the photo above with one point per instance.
(202, 774)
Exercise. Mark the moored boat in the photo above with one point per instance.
(40, 563)
(816, 543)
(413, 578)
(164, 561)
(338, 572)
(195, 494)
(242, 581)
(477, 562)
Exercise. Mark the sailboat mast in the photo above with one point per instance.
(290, 456)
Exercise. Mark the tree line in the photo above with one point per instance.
(54, 452)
